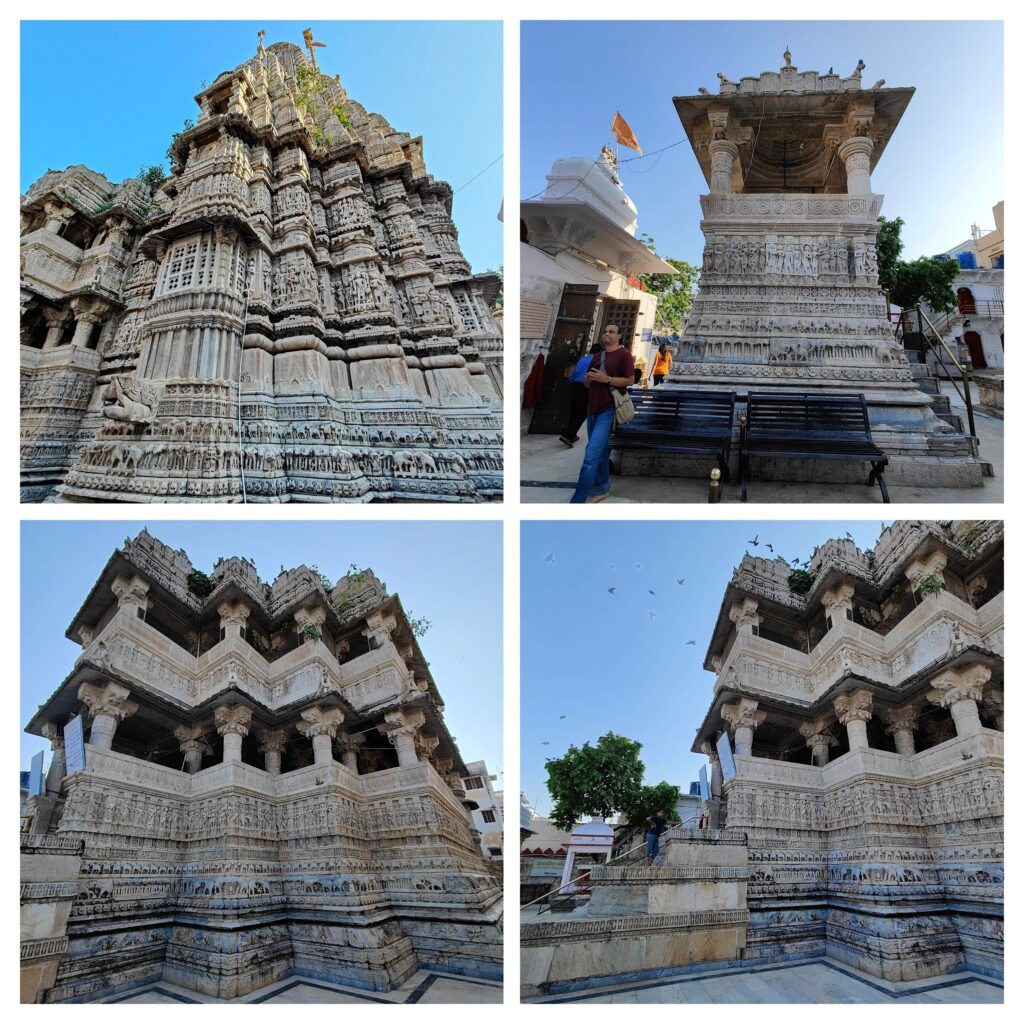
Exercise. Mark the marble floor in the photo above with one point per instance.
(421, 987)
(813, 982)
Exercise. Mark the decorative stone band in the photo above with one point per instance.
(38, 949)
(771, 207)
(583, 931)
(52, 844)
(631, 875)
(48, 891)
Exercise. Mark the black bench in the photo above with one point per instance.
(778, 426)
(676, 421)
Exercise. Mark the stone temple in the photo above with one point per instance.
(855, 734)
(269, 790)
(288, 317)
(789, 295)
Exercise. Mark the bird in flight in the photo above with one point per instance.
(691, 643)
(611, 565)
(545, 743)
(651, 592)
(796, 561)
(561, 716)
(754, 541)
(549, 557)
(682, 581)
(637, 567)
(611, 590)
(770, 548)
(653, 615)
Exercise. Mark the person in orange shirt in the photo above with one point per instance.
(662, 364)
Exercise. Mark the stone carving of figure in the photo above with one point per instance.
(130, 400)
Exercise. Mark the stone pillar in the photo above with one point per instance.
(233, 618)
(743, 718)
(85, 322)
(56, 320)
(131, 595)
(192, 745)
(838, 602)
(232, 722)
(900, 725)
(107, 706)
(723, 154)
(854, 712)
(819, 739)
(321, 725)
(715, 782)
(58, 765)
(378, 629)
(425, 746)
(856, 154)
(744, 615)
(933, 565)
(311, 619)
(960, 691)
(272, 747)
(349, 743)
(401, 727)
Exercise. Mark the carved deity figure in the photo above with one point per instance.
(130, 400)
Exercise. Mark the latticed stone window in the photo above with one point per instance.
(204, 265)
(466, 311)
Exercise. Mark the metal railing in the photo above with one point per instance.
(965, 395)
(611, 860)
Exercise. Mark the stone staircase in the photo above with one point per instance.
(929, 377)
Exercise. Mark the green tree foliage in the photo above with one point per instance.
(154, 176)
(907, 283)
(674, 291)
(651, 799)
(599, 779)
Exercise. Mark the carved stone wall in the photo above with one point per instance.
(287, 317)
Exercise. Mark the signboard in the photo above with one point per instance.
(725, 757)
(74, 745)
(646, 334)
(35, 777)
(705, 790)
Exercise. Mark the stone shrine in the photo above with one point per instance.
(788, 295)
(269, 789)
(287, 317)
(856, 813)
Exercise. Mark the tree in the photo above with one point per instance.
(154, 176)
(599, 779)
(651, 799)
(907, 283)
(674, 291)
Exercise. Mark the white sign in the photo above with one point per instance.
(35, 778)
(725, 757)
(705, 791)
(74, 745)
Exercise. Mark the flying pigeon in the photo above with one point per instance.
(651, 592)
(549, 557)
(545, 743)
(637, 567)
(796, 561)
(681, 582)
(770, 548)
(611, 590)
(561, 716)
(611, 565)
(653, 615)
(691, 643)
(754, 541)
(848, 535)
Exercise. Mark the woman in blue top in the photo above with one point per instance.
(577, 397)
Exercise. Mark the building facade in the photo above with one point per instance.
(287, 317)
(486, 815)
(269, 788)
(788, 296)
(579, 257)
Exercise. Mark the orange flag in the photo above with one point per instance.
(624, 133)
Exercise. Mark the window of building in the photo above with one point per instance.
(494, 851)
(473, 782)
(488, 817)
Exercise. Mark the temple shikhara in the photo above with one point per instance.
(789, 297)
(287, 317)
(855, 803)
(267, 788)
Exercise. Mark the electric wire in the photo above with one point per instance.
(475, 176)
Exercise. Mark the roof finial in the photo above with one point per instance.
(307, 34)
(788, 57)
(261, 35)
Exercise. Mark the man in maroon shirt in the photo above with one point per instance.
(611, 368)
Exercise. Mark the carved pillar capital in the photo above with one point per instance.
(900, 724)
(933, 565)
(272, 744)
(743, 718)
(819, 739)
(320, 725)
(233, 617)
(192, 743)
(960, 691)
(401, 728)
(856, 153)
(107, 705)
(744, 615)
(309, 622)
(837, 601)
(131, 593)
(854, 711)
(378, 629)
(232, 722)
(349, 744)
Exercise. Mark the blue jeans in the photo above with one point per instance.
(652, 845)
(594, 476)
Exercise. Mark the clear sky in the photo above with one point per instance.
(941, 171)
(111, 94)
(448, 572)
(601, 661)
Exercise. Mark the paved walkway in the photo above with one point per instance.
(814, 982)
(549, 471)
(422, 987)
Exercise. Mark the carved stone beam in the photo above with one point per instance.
(272, 744)
(901, 724)
(192, 743)
(743, 718)
(131, 594)
(107, 706)
(960, 691)
(401, 727)
(232, 722)
(854, 711)
(819, 739)
(321, 725)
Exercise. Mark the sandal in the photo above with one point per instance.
(566, 441)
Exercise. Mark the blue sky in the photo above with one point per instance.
(111, 94)
(448, 572)
(941, 171)
(598, 658)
